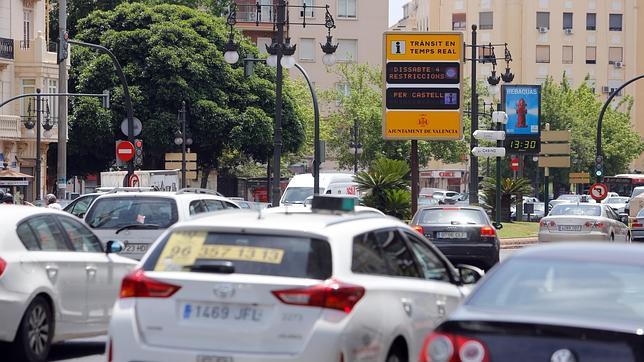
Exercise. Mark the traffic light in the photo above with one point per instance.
(599, 166)
(138, 152)
(105, 100)
(63, 47)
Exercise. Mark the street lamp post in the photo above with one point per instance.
(181, 138)
(281, 56)
(48, 125)
(483, 54)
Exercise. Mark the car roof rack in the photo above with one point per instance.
(196, 190)
(131, 189)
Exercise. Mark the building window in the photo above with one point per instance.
(347, 50)
(567, 21)
(615, 22)
(52, 87)
(262, 43)
(543, 19)
(27, 27)
(309, 8)
(307, 49)
(543, 53)
(591, 55)
(591, 21)
(615, 54)
(27, 86)
(458, 21)
(566, 54)
(486, 20)
(347, 9)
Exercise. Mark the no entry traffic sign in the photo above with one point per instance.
(125, 151)
(514, 164)
(598, 191)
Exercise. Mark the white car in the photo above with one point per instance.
(56, 282)
(583, 222)
(254, 286)
(138, 218)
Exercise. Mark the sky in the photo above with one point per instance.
(395, 10)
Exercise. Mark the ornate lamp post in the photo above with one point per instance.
(182, 139)
(47, 126)
(281, 56)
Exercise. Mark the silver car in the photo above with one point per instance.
(637, 227)
(586, 222)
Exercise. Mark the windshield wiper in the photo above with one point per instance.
(213, 266)
(138, 226)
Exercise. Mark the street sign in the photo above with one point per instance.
(138, 126)
(522, 103)
(125, 151)
(514, 164)
(134, 181)
(598, 191)
(489, 135)
(499, 117)
(579, 177)
(554, 161)
(422, 98)
(555, 148)
(488, 151)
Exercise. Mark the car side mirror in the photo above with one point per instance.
(623, 218)
(498, 225)
(81, 215)
(114, 247)
(469, 274)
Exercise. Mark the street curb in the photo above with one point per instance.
(515, 243)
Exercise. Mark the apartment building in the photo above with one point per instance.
(359, 28)
(408, 21)
(603, 39)
(27, 62)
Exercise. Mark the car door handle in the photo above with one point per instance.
(406, 304)
(440, 306)
(91, 271)
(52, 271)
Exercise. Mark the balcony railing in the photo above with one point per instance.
(6, 48)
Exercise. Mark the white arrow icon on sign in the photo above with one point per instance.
(489, 135)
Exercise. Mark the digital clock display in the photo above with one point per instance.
(523, 145)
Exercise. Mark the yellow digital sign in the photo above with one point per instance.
(422, 98)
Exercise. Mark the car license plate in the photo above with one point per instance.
(451, 235)
(202, 358)
(569, 227)
(136, 248)
(238, 313)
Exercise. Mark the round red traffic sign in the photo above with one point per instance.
(514, 164)
(598, 191)
(134, 181)
(125, 151)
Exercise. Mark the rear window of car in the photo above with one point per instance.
(576, 210)
(609, 291)
(272, 255)
(116, 212)
(451, 216)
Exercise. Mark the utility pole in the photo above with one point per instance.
(61, 179)
(474, 162)
(277, 146)
(183, 144)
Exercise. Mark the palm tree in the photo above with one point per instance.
(383, 178)
(509, 187)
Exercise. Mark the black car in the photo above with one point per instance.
(557, 302)
(464, 234)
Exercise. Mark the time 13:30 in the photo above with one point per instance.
(523, 144)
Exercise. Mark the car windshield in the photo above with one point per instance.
(640, 213)
(576, 210)
(297, 195)
(274, 255)
(452, 216)
(616, 200)
(555, 287)
(116, 212)
(637, 192)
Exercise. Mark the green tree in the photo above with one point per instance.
(362, 104)
(510, 189)
(386, 187)
(170, 54)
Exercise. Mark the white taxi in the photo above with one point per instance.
(56, 282)
(254, 286)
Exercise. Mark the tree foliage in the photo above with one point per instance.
(362, 104)
(509, 188)
(386, 187)
(170, 54)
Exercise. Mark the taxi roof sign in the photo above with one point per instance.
(333, 203)
(422, 97)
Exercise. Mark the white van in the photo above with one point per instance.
(301, 186)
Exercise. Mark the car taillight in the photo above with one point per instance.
(110, 356)
(543, 223)
(552, 224)
(137, 285)
(419, 229)
(446, 347)
(599, 225)
(636, 224)
(331, 294)
(487, 231)
(3, 266)
(588, 224)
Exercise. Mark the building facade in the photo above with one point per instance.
(601, 39)
(27, 63)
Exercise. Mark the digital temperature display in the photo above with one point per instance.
(527, 145)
